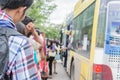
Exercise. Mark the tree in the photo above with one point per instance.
(40, 11)
(52, 31)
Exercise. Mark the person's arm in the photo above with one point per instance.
(36, 37)
(57, 48)
(30, 28)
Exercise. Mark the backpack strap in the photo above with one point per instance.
(9, 32)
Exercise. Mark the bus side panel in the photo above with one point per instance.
(84, 70)
(77, 68)
(81, 67)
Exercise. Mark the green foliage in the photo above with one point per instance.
(51, 32)
(39, 12)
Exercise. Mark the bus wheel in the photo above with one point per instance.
(72, 72)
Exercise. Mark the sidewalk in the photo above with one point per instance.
(62, 75)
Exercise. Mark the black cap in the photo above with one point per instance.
(14, 4)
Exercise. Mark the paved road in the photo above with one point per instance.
(62, 75)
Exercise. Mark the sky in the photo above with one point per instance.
(64, 7)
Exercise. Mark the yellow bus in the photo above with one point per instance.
(95, 51)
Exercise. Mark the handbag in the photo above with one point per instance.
(43, 73)
(52, 53)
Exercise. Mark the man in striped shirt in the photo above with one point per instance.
(21, 63)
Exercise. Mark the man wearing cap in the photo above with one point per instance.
(21, 64)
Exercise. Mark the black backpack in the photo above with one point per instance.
(5, 33)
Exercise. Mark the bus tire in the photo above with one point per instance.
(72, 72)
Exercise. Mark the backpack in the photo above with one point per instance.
(5, 33)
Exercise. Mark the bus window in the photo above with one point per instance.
(83, 24)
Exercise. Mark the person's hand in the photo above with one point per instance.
(30, 27)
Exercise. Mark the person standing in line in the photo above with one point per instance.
(56, 55)
(51, 55)
(30, 31)
(21, 65)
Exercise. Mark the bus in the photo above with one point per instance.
(95, 51)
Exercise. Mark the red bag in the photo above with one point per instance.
(44, 68)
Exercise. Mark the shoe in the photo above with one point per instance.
(55, 73)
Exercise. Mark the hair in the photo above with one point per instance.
(37, 31)
(29, 34)
(14, 4)
(27, 20)
(50, 45)
(20, 28)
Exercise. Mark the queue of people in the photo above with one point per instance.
(44, 55)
